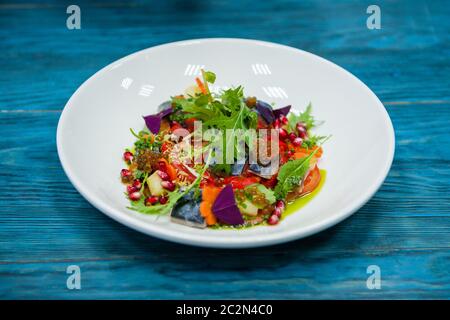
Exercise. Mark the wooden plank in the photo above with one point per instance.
(43, 62)
(295, 273)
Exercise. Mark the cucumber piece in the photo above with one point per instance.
(247, 207)
(154, 184)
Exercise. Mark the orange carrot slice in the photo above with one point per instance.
(209, 193)
(302, 152)
(201, 86)
(211, 220)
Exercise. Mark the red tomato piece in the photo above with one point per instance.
(311, 181)
(240, 182)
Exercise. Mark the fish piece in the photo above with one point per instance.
(237, 168)
(187, 212)
(165, 105)
(265, 172)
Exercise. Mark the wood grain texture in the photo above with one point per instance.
(45, 225)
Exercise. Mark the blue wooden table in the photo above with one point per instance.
(46, 226)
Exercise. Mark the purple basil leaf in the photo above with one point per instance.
(225, 208)
(282, 111)
(265, 110)
(165, 112)
(153, 122)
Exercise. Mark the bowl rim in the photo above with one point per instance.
(218, 242)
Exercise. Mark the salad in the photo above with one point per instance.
(222, 160)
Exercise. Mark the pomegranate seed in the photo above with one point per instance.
(131, 189)
(300, 125)
(168, 185)
(137, 184)
(280, 204)
(163, 200)
(282, 133)
(162, 175)
(162, 166)
(151, 200)
(276, 124)
(277, 212)
(292, 136)
(135, 196)
(128, 156)
(125, 173)
(273, 219)
(301, 129)
(297, 142)
(283, 119)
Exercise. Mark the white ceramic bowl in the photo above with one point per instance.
(94, 130)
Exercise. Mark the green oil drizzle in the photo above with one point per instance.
(301, 202)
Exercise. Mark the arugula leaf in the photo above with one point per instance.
(312, 141)
(242, 118)
(229, 111)
(197, 107)
(233, 97)
(305, 117)
(202, 100)
(291, 174)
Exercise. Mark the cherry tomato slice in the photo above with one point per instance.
(175, 125)
(311, 181)
(190, 124)
(270, 183)
(164, 147)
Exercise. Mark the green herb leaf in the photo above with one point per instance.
(291, 175)
(229, 111)
(209, 76)
(304, 117)
(158, 208)
(222, 169)
(312, 141)
(197, 108)
(233, 97)
(139, 174)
